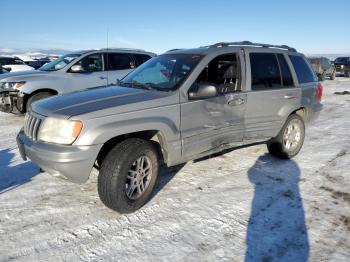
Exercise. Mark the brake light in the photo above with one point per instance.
(319, 92)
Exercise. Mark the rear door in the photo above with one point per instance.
(307, 80)
(93, 74)
(119, 65)
(272, 97)
(141, 58)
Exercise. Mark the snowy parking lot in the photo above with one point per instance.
(241, 205)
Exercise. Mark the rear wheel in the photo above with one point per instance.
(128, 175)
(347, 73)
(37, 97)
(290, 139)
(322, 76)
(333, 75)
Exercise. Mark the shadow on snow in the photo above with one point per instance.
(16, 175)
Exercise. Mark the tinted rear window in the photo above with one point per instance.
(120, 61)
(287, 79)
(265, 71)
(303, 71)
(140, 58)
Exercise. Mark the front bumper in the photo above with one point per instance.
(11, 101)
(72, 162)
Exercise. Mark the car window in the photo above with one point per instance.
(265, 71)
(10, 61)
(120, 61)
(141, 58)
(164, 73)
(303, 71)
(287, 79)
(222, 72)
(91, 63)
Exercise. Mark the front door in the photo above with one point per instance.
(93, 73)
(212, 123)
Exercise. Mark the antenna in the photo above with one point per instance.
(107, 38)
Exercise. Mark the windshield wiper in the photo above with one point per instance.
(135, 84)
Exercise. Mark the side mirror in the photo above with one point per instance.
(8, 69)
(77, 69)
(205, 90)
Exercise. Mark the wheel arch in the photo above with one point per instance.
(156, 136)
(26, 98)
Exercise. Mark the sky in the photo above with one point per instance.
(312, 27)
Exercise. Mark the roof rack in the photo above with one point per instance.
(248, 43)
(123, 49)
(175, 49)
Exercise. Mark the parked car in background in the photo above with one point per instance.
(37, 63)
(342, 65)
(323, 67)
(71, 72)
(3, 70)
(182, 105)
(14, 64)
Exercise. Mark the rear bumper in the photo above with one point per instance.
(72, 162)
(314, 112)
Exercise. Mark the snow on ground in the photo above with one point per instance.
(242, 205)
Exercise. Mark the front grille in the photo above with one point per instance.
(31, 126)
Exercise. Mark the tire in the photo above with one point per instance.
(347, 73)
(114, 184)
(333, 75)
(37, 97)
(278, 145)
(322, 77)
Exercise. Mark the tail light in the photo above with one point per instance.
(319, 92)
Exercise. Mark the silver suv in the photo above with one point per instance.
(178, 106)
(71, 72)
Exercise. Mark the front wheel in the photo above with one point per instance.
(333, 75)
(290, 139)
(37, 97)
(128, 175)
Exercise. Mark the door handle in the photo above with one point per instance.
(290, 96)
(103, 77)
(236, 102)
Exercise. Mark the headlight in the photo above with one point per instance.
(12, 85)
(342, 66)
(59, 131)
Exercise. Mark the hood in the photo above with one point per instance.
(97, 99)
(22, 75)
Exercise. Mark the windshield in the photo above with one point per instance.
(164, 72)
(59, 63)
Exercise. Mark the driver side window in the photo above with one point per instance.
(91, 63)
(223, 72)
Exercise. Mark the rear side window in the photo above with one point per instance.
(120, 61)
(287, 79)
(10, 61)
(264, 71)
(303, 71)
(141, 58)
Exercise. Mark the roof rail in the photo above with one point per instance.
(175, 49)
(248, 43)
(124, 49)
